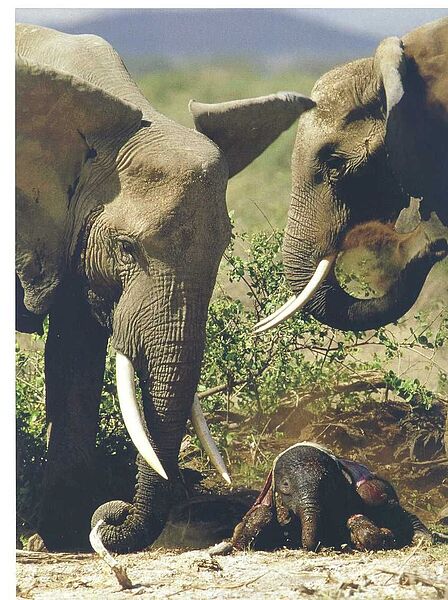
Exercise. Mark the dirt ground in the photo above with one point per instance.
(409, 573)
(390, 437)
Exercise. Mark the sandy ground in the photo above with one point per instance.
(418, 573)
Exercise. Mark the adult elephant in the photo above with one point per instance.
(377, 134)
(121, 224)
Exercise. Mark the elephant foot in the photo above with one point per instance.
(64, 535)
(365, 535)
(423, 538)
(65, 511)
(251, 525)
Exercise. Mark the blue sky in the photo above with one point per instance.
(376, 21)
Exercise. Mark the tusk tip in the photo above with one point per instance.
(226, 478)
(153, 461)
(162, 473)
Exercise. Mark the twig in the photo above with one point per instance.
(244, 583)
(224, 387)
(424, 463)
(409, 577)
(405, 562)
(117, 570)
(223, 587)
(264, 215)
(30, 556)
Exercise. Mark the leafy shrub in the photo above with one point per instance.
(301, 354)
(301, 361)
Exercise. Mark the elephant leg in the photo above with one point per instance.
(366, 535)
(407, 527)
(74, 368)
(250, 527)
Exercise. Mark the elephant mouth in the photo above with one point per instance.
(135, 424)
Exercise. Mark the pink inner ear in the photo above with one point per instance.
(357, 472)
(264, 497)
(373, 492)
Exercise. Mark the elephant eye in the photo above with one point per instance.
(127, 249)
(284, 486)
(336, 163)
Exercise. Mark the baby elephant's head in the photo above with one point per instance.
(309, 484)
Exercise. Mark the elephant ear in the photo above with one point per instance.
(243, 129)
(56, 116)
(414, 76)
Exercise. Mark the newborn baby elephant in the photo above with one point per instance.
(311, 498)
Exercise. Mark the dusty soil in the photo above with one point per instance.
(284, 574)
(393, 439)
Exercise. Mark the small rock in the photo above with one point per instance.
(35, 544)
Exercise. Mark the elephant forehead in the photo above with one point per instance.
(165, 151)
(340, 90)
(178, 217)
(163, 180)
(161, 209)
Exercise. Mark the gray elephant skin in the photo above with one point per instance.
(376, 135)
(313, 498)
(121, 224)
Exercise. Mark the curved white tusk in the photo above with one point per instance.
(293, 306)
(205, 437)
(131, 413)
(277, 312)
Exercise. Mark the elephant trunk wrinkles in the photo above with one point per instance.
(331, 304)
(310, 523)
(168, 368)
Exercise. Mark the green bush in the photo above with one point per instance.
(301, 354)
(300, 359)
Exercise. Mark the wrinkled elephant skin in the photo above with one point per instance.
(121, 224)
(377, 136)
(313, 498)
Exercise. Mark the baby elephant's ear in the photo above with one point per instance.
(243, 129)
(57, 117)
(283, 515)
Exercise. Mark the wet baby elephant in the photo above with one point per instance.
(312, 498)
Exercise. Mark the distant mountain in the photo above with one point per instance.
(263, 34)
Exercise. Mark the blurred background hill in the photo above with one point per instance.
(222, 54)
(268, 36)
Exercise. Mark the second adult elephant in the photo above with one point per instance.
(376, 134)
(121, 224)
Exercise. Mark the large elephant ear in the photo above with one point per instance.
(56, 117)
(243, 129)
(413, 73)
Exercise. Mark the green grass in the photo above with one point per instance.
(259, 195)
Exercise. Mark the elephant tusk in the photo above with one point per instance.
(294, 304)
(277, 312)
(205, 437)
(131, 413)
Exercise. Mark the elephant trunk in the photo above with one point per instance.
(168, 367)
(310, 523)
(331, 304)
